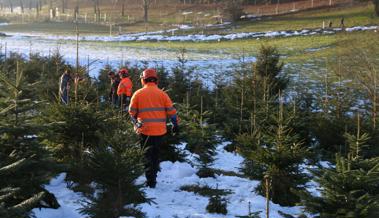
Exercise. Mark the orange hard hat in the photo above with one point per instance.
(123, 72)
(149, 73)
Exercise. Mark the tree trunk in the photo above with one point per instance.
(95, 6)
(11, 5)
(22, 6)
(123, 9)
(63, 6)
(146, 5)
(37, 8)
(376, 2)
(145, 12)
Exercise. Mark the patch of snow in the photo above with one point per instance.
(170, 201)
(70, 201)
(226, 160)
(160, 36)
(4, 24)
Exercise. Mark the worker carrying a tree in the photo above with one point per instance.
(124, 90)
(149, 109)
(115, 81)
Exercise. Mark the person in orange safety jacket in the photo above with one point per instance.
(149, 109)
(124, 90)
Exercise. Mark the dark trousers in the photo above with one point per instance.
(124, 102)
(113, 98)
(64, 96)
(151, 144)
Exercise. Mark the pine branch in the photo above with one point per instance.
(28, 204)
(6, 81)
(9, 192)
(12, 167)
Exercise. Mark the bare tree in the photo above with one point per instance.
(146, 5)
(64, 2)
(123, 8)
(96, 8)
(22, 6)
(11, 5)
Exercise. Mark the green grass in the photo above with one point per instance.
(3, 20)
(65, 28)
(360, 15)
(354, 16)
(294, 49)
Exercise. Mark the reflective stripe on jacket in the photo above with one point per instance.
(125, 87)
(151, 106)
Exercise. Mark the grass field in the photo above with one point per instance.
(361, 14)
(294, 49)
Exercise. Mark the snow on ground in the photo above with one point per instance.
(170, 201)
(70, 201)
(206, 64)
(176, 203)
(169, 35)
(226, 160)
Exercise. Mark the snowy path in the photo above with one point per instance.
(176, 203)
(171, 201)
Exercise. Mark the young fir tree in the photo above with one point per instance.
(199, 135)
(25, 164)
(279, 153)
(217, 204)
(75, 129)
(351, 188)
(114, 168)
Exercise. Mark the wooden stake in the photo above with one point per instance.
(77, 59)
(267, 182)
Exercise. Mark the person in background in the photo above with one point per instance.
(115, 81)
(125, 89)
(149, 109)
(64, 87)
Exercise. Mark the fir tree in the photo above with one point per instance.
(350, 189)
(199, 134)
(268, 73)
(278, 153)
(25, 164)
(217, 204)
(114, 168)
(75, 129)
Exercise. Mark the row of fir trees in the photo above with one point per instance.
(279, 125)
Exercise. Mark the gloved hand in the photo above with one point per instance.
(175, 126)
(175, 129)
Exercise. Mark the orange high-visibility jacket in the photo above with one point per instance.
(125, 87)
(151, 106)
